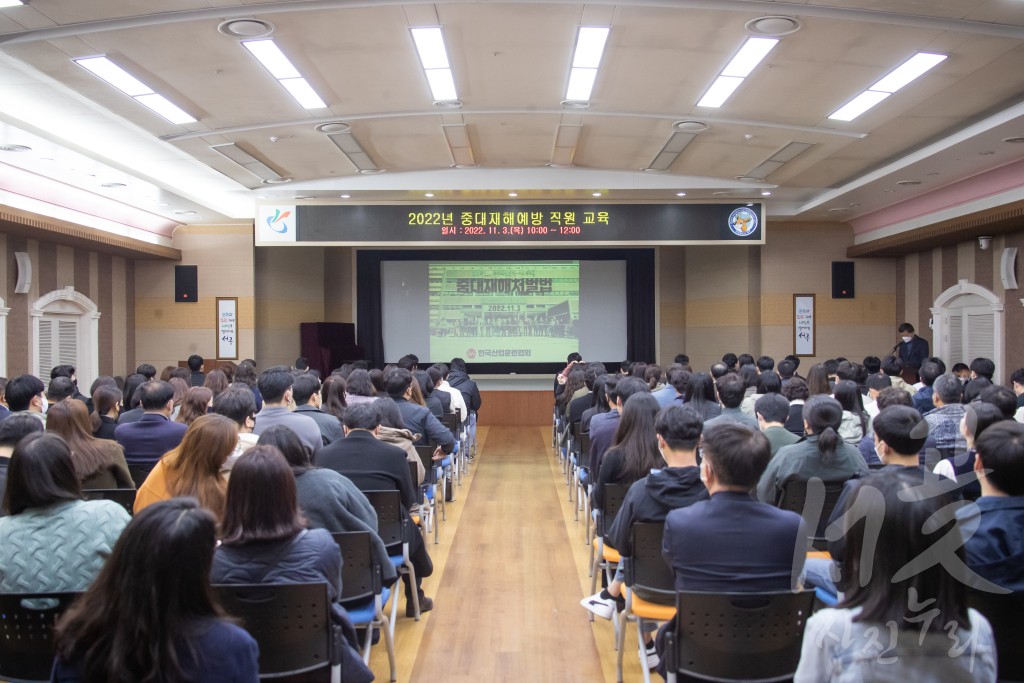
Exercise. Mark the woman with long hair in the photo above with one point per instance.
(855, 419)
(180, 386)
(51, 540)
(822, 454)
(817, 380)
(332, 396)
(700, 395)
(634, 450)
(246, 374)
(902, 616)
(194, 467)
(99, 463)
(573, 383)
(216, 381)
(151, 615)
(426, 384)
(106, 406)
(264, 538)
(194, 404)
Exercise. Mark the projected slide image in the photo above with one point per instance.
(501, 311)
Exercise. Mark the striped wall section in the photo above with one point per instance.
(107, 280)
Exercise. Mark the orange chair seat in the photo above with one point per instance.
(818, 555)
(415, 519)
(654, 611)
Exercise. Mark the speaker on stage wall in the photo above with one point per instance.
(842, 280)
(186, 284)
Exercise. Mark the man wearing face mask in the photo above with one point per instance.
(26, 394)
(912, 350)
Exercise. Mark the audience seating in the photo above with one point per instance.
(139, 471)
(650, 589)
(363, 592)
(600, 556)
(431, 483)
(822, 495)
(123, 497)
(737, 636)
(1004, 614)
(26, 634)
(291, 624)
(393, 529)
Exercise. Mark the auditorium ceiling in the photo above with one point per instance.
(203, 129)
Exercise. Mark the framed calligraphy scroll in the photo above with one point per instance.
(804, 332)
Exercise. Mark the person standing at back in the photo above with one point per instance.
(195, 367)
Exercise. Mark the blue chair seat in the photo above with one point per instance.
(365, 613)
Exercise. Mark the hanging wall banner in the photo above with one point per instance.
(803, 324)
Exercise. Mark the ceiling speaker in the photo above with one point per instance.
(24, 272)
(1008, 268)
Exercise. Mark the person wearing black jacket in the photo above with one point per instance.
(678, 485)
(459, 379)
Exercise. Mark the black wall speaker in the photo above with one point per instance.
(186, 284)
(842, 280)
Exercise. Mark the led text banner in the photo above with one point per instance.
(462, 225)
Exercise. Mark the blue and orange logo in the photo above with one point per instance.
(277, 221)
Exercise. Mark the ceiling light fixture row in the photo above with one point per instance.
(902, 75)
(739, 67)
(434, 60)
(114, 75)
(268, 54)
(586, 59)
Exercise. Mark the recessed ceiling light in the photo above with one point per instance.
(447, 104)
(466, 166)
(690, 126)
(15, 148)
(277, 181)
(654, 170)
(246, 28)
(1014, 140)
(266, 51)
(429, 194)
(899, 77)
(434, 60)
(749, 179)
(596, 194)
(739, 67)
(334, 128)
(513, 194)
(720, 194)
(590, 44)
(773, 26)
(122, 80)
(766, 193)
(371, 171)
(112, 185)
(184, 213)
(346, 196)
(551, 165)
(680, 194)
(11, 3)
(304, 197)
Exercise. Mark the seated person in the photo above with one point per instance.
(733, 542)
(650, 499)
(238, 405)
(12, 430)
(162, 558)
(52, 541)
(264, 539)
(195, 467)
(99, 462)
(889, 396)
(604, 427)
(995, 551)
(145, 440)
(418, 419)
(373, 465)
(796, 392)
(772, 411)
(901, 619)
(821, 454)
(730, 390)
(961, 467)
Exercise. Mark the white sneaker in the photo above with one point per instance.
(602, 607)
(653, 660)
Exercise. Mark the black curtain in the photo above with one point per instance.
(640, 332)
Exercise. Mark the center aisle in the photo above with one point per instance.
(508, 594)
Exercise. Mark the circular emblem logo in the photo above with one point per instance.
(470, 353)
(743, 222)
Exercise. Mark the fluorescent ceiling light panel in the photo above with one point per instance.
(908, 71)
(899, 77)
(858, 105)
(280, 67)
(134, 88)
(590, 41)
(303, 93)
(749, 56)
(269, 55)
(442, 84)
(430, 46)
(165, 108)
(11, 3)
(581, 84)
(434, 59)
(719, 92)
(115, 75)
